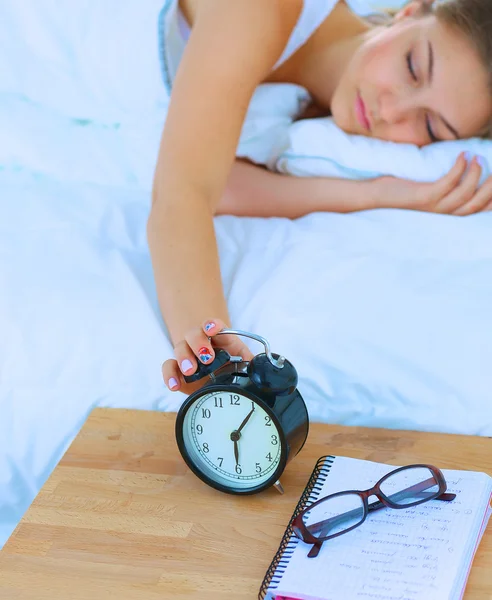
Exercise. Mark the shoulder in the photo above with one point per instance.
(260, 28)
(284, 13)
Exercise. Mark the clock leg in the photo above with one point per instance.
(278, 486)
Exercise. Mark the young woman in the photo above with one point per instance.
(425, 77)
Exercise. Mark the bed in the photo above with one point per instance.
(385, 313)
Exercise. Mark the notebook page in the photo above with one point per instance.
(404, 554)
(461, 581)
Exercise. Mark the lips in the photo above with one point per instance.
(361, 113)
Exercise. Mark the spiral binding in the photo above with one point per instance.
(289, 540)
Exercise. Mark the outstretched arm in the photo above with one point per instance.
(232, 48)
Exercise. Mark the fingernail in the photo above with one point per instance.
(186, 365)
(210, 325)
(172, 383)
(468, 156)
(481, 161)
(205, 354)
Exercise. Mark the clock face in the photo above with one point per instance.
(232, 440)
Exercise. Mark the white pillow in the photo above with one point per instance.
(317, 147)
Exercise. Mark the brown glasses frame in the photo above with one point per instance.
(302, 532)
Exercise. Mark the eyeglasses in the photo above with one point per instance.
(339, 513)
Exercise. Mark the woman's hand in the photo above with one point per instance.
(198, 345)
(457, 193)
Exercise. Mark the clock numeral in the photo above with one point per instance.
(234, 400)
(218, 403)
(205, 448)
(206, 414)
(269, 456)
(238, 469)
(221, 460)
(199, 429)
(268, 421)
(274, 441)
(258, 468)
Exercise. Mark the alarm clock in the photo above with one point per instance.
(238, 432)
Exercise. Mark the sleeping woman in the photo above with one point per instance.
(423, 77)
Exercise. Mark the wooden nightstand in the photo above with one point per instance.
(122, 517)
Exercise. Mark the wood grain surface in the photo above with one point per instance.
(123, 518)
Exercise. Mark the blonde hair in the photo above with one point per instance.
(473, 18)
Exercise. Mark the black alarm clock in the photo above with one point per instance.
(238, 432)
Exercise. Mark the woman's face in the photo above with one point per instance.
(417, 81)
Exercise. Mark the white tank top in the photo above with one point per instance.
(313, 13)
(174, 31)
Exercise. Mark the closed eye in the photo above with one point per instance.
(430, 132)
(410, 66)
(432, 137)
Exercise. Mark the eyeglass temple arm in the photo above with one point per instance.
(327, 524)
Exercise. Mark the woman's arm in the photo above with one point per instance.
(253, 191)
(232, 47)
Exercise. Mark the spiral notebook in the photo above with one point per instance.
(425, 551)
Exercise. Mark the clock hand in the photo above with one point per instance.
(246, 419)
(236, 452)
(236, 435)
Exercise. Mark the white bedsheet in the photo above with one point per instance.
(386, 315)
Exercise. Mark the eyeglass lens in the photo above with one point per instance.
(336, 514)
(344, 511)
(410, 485)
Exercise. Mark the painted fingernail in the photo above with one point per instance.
(210, 325)
(481, 161)
(205, 354)
(172, 383)
(468, 156)
(186, 365)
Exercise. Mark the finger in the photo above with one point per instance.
(463, 192)
(196, 344)
(230, 342)
(170, 371)
(479, 201)
(445, 185)
(212, 327)
(487, 207)
(185, 358)
(200, 342)
(171, 375)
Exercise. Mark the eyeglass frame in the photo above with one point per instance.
(301, 531)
